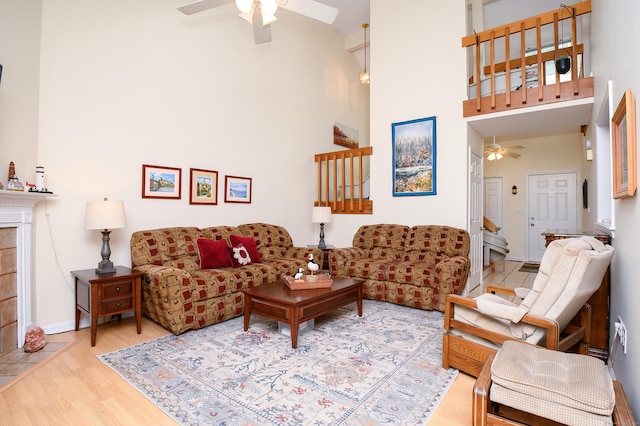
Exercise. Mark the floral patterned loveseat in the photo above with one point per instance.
(415, 266)
(179, 295)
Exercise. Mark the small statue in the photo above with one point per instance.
(12, 171)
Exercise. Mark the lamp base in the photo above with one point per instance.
(321, 243)
(105, 267)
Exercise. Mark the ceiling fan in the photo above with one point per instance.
(495, 151)
(261, 13)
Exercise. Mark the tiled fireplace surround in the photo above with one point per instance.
(16, 218)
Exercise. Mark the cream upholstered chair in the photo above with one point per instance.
(553, 314)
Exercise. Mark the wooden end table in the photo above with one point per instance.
(102, 295)
(278, 302)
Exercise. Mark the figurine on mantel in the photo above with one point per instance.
(14, 184)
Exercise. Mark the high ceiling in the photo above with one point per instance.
(353, 13)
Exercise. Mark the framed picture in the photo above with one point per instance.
(203, 188)
(414, 157)
(237, 189)
(345, 136)
(623, 135)
(161, 182)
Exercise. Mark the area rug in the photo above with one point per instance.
(530, 268)
(381, 368)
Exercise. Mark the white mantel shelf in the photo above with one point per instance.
(21, 198)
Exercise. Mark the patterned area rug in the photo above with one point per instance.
(383, 368)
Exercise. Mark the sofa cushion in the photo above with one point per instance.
(213, 254)
(208, 283)
(239, 255)
(436, 239)
(249, 244)
(381, 236)
(157, 246)
(272, 241)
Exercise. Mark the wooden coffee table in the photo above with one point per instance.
(278, 302)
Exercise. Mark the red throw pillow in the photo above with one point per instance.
(249, 243)
(239, 255)
(213, 254)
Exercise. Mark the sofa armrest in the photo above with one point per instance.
(338, 259)
(454, 271)
(167, 295)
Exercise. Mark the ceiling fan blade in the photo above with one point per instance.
(261, 33)
(312, 9)
(513, 154)
(202, 5)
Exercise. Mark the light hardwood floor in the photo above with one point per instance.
(76, 388)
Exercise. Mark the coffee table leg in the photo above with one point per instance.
(247, 311)
(295, 327)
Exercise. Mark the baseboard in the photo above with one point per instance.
(85, 322)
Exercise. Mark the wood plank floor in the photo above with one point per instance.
(76, 388)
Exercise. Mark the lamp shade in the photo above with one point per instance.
(321, 215)
(105, 215)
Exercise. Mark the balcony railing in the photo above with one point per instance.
(343, 182)
(530, 69)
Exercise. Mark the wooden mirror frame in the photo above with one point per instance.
(623, 134)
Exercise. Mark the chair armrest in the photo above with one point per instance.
(339, 258)
(502, 290)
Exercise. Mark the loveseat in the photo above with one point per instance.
(179, 294)
(414, 266)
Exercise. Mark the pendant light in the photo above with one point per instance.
(364, 76)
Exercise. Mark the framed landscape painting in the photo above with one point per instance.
(161, 182)
(237, 189)
(204, 187)
(414, 157)
(623, 136)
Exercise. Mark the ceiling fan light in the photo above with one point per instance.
(498, 156)
(268, 7)
(267, 19)
(491, 156)
(245, 6)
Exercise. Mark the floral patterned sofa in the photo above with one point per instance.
(413, 266)
(179, 295)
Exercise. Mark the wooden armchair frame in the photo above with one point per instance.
(469, 356)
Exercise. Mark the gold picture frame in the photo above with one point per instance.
(623, 135)
(204, 187)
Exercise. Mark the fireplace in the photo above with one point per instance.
(16, 219)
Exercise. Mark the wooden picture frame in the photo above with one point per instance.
(623, 135)
(237, 189)
(414, 157)
(203, 187)
(161, 182)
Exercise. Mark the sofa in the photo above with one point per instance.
(414, 266)
(180, 294)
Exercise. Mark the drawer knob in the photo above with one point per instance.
(118, 304)
(117, 288)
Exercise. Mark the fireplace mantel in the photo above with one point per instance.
(16, 211)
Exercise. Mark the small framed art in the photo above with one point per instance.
(203, 188)
(414, 157)
(161, 182)
(237, 189)
(623, 135)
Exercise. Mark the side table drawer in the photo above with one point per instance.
(120, 288)
(115, 305)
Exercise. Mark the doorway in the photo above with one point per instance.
(493, 202)
(551, 204)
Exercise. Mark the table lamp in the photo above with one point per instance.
(321, 215)
(105, 215)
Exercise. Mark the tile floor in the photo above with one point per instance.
(510, 277)
(16, 362)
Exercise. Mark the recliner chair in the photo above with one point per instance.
(554, 313)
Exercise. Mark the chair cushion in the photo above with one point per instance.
(565, 387)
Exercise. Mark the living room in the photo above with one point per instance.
(94, 90)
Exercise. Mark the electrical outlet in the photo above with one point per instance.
(621, 331)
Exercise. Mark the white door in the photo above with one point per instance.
(551, 205)
(475, 219)
(493, 201)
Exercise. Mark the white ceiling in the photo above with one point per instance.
(353, 13)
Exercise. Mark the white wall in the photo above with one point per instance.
(126, 83)
(613, 30)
